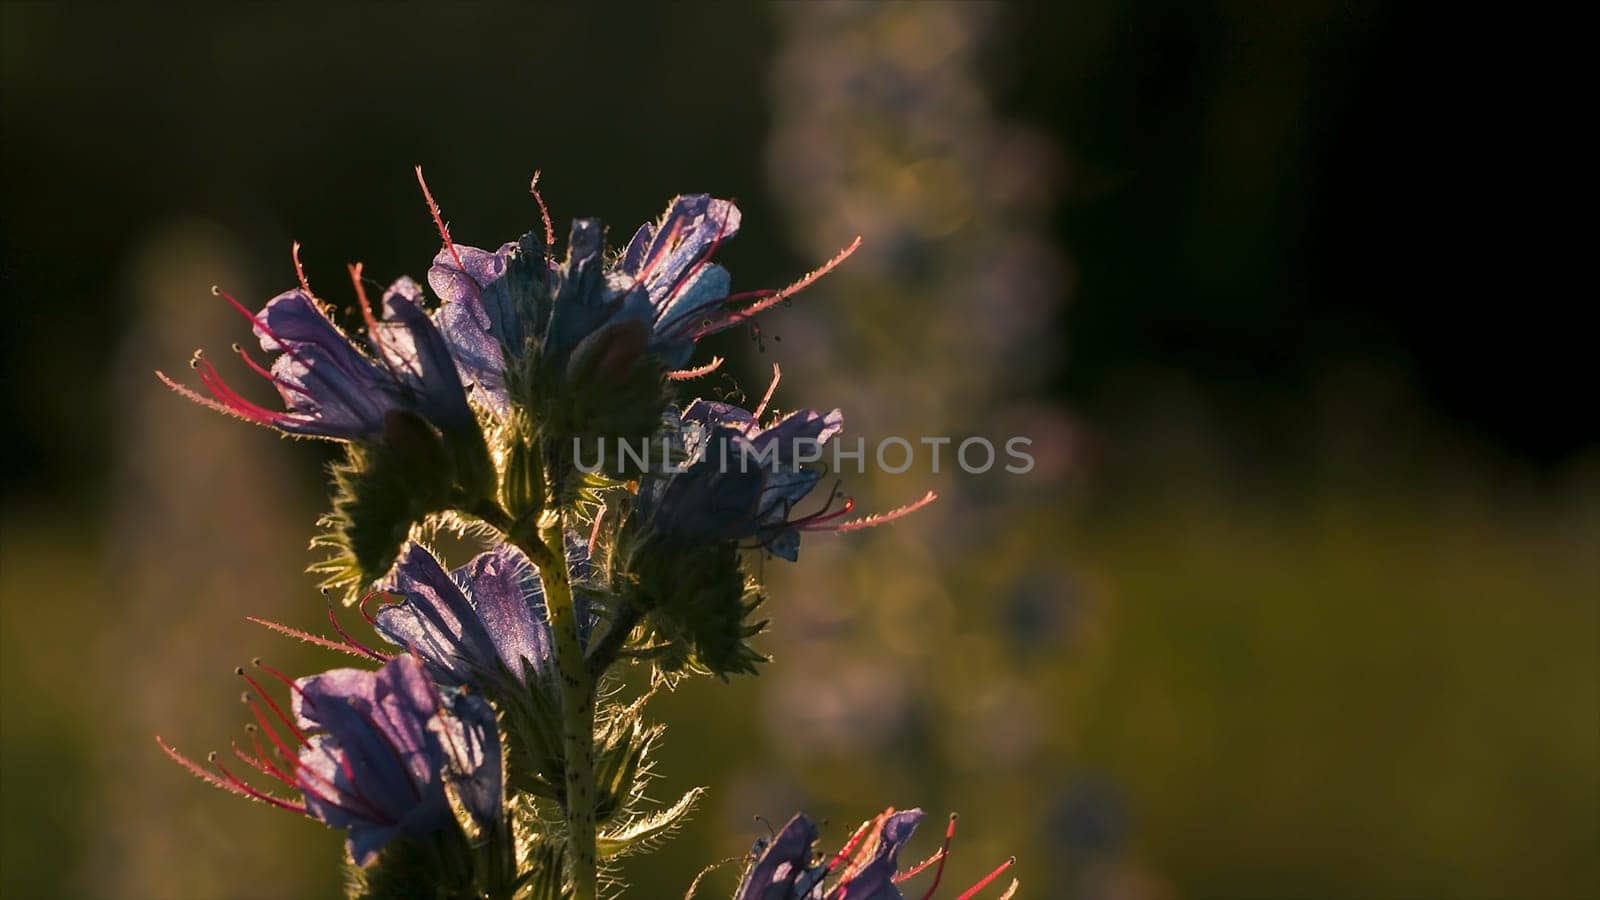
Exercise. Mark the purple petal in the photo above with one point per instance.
(871, 875)
(319, 373)
(472, 318)
(505, 591)
(802, 425)
(436, 620)
(480, 361)
(776, 870)
(418, 357)
(712, 413)
(692, 225)
(474, 743)
(634, 254)
(377, 764)
(700, 293)
(454, 284)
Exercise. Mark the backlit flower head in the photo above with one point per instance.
(747, 481)
(330, 387)
(368, 752)
(663, 287)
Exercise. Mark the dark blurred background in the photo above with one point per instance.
(1301, 600)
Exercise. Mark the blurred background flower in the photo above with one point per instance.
(1299, 599)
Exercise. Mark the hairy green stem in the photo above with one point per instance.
(577, 708)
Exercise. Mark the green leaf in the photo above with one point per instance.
(437, 868)
(644, 832)
(699, 605)
(381, 492)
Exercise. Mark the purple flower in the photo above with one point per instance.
(671, 261)
(371, 764)
(480, 316)
(784, 868)
(747, 480)
(690, 296)
(330, 387)
(479, 623)
(369, 752)
(663, 282)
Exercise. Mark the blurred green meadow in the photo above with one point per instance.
(1301, 600)
(1363, 690)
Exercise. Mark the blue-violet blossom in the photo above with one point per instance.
(369, 752)
(330, 387)
(663, 282)
(746, 479)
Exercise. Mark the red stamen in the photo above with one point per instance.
(343, 761)
(300, 735)
(255, 366)
(246, 790)
(363, 607)
(357, 805)
(967, 895)
(265, 766)
(262, 764)
(890, 516)
(941, 856)
(208, 402)
(919, 868)
(196, 770)
(261, 323)
(361, 300)
(819, 521)
(227, 396)
(850, 845)
(350, 640)
(281, 677)
(438, 221)
(777, 374)
(374, 331)
(291, 760)
(686, 374)
(267, 374)
(305, 636)
(344, 765)
(243, 310)
(299, 270)
(272, 733)
(660, 244)
(737, 316)
(748, 295)
(544, 213)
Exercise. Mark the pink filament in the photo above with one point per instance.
(438, 221)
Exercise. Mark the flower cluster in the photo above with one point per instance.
(787, 867)
(481, 756)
